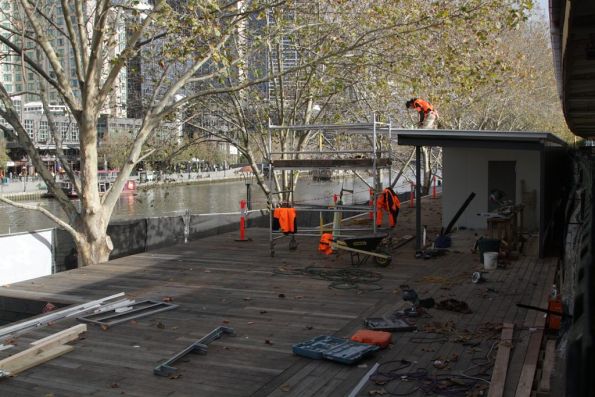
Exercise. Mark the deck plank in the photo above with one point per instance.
(217, 281)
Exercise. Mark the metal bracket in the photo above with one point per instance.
(137, 310)
(200, 346)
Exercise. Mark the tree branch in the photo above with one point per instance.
(38, 207)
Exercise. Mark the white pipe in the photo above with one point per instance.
(363, 381)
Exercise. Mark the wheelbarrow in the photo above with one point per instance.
(363, 247)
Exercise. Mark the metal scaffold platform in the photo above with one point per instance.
(348, 147)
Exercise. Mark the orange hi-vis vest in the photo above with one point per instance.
(324, 245)
(286, 217)
(388, 201)
(422, 106)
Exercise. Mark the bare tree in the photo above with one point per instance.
(79, 52)
(192, 44)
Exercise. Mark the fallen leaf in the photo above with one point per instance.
(225, 321)
(160, 325)
(104, 327)
(175, 376)
(285, 388)
(167, 299)
(268, 342)
(114, 385)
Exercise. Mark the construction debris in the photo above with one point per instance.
(56, 315)
(41, 350)
(200, 346)
(138, 309)
(454, 305)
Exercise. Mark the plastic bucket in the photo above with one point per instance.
(490, 260)
(487, 245)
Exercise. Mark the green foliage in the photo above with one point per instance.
(114, 150)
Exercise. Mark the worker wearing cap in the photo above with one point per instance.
(427, 114)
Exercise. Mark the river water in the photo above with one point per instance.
(198, 198)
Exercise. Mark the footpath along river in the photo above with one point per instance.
(198, 198)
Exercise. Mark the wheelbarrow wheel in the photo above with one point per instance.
(382, 262)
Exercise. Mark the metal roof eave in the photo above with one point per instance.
(479, 139)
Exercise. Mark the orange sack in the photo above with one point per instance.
(378, 338)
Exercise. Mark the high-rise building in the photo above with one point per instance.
(18, 79)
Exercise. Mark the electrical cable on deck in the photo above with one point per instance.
(445, 384)
(343, 278)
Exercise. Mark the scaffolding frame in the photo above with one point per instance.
(374, 162)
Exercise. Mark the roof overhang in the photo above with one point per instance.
(572, 30)
(479, 139)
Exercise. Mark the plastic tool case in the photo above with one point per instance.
(388, 324)
(335, 349)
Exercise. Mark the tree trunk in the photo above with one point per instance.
(93, 243)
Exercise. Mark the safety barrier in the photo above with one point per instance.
(243, 214)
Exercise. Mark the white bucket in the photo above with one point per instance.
(490, 260)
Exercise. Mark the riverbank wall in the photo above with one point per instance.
(35, 189)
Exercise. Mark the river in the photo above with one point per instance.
(198, 198)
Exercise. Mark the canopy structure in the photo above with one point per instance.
(539, 142)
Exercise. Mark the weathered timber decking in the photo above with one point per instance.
(218, 281)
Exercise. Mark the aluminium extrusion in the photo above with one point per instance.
(53, 316)
(166, 368)
(115, 305)
(140, 309)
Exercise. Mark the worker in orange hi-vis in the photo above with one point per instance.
(388, 201)
(427, 114)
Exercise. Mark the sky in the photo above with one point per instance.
(543, 6)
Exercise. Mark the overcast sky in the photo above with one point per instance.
(543, 6)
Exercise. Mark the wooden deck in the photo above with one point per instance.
(218, 281)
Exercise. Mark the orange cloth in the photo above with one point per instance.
(325, 243)
(388, 201)
(286, 217)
